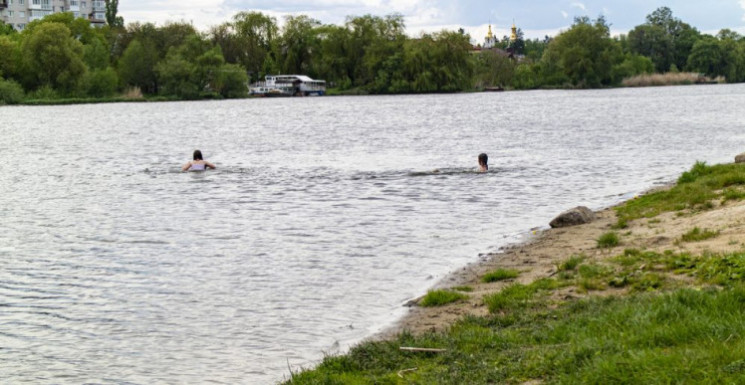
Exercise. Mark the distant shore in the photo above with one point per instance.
(638, 82)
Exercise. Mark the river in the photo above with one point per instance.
(324, 216)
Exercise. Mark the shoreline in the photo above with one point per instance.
(159, 99)
(540, 254)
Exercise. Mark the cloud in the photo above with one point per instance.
(566, 15)
(581, 6)
(742, 4)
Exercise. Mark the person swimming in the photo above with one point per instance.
(483, 162)
(198, 164)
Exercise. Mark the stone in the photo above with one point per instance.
(740, 158)
(576, 216)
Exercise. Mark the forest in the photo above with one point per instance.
(64, 58)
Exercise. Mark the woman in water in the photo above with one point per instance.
(198, 164)
(483, 162)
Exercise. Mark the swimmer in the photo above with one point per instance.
(483, 162)
(198, 164)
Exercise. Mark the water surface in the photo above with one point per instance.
(324, 216)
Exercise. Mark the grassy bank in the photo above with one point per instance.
(632, 316)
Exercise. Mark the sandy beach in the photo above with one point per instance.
(540, 255)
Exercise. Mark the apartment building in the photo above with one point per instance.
(18, 13)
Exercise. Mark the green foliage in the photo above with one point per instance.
(608, 240)
(137, 66)
(500, 275)
(698, 235)
(695, 190)
(10, 92)
(441, 297)
(96, 54)
(465, 289)
(230, 81)
(101, 83)
(112, 9)
(44, 93)
(53, 57)
(9, 56)
(585, 54)
(571, 263)
(6, 29)
(256, 36)
(666, 40)
(632, 65)
(495, 69)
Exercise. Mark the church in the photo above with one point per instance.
(491, 42)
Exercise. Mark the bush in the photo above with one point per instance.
(101, 83)
(10, 92)
(44, 93)
(697, 235)
(441, 297)
(500, 275)
(608, 240)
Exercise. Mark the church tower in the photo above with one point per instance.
(513, 36)
(490, 41)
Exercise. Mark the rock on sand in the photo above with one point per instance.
(576, 216)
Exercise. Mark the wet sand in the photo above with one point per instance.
(540, 256)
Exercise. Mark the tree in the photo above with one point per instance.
(585, 53)
(9, 55)
(664, 39)
(112, 8)
(53, 57)
(231, 81)
(723, 56)
(100, 83)
(257, 37)
(6, 29)
(137, 66)
(299, 41)
(96, 55)
(495, 69)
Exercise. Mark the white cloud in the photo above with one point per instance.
(742, 4)
(581, 6)
(566, 15)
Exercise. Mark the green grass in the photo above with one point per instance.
(698, 235)
(441, 298)
(659, 334)
(571, 263)
(465, 289)
(608, 240)
(686, 336)
(694, 190)
(500, 275)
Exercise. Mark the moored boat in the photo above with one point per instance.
(288, 85)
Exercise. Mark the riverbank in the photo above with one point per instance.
(639, 295)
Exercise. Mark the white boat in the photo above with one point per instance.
(288, 85)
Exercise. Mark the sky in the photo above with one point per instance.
(537, 18)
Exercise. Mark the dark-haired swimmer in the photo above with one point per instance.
(198, 164)
(483, 162)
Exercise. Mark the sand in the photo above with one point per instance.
(540, 256)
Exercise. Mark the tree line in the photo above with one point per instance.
(65, 57)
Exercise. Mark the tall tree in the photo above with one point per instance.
(54, 58)
(585, 53)
(257, 35)
(112, 9)
(664, 39)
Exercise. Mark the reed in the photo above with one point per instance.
(669, 79)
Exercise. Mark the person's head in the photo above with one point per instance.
(484, 160)
(198, 155)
